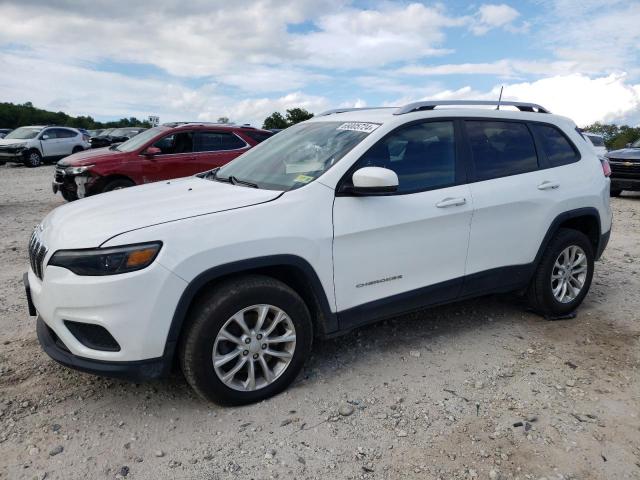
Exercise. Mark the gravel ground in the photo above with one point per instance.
(479, 389)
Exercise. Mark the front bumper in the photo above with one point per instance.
(134, 370)
(623, 183)
(15, 157)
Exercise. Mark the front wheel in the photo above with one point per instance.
(564, 274)
(118, 184)
(34, 159)
(247, 341)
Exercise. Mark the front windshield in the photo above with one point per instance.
(296, 156)
(134, 143)
(635, 144)
(24, 133)
(122, 132)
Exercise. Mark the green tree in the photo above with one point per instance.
(275, 120)
(297, 115)
(223, 120)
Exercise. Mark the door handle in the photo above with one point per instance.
(547, 185)
(451, 202)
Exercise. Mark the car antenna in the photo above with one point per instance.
(500, 97)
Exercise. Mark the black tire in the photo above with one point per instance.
(77, 149)
(69, 196)
(33, 159)
(540, 291)
(209, 316)
(615, 192)
(117, 184)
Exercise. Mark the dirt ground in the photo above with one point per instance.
(479, 389)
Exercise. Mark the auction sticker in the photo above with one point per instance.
(359, 126)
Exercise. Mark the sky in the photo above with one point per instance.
(204, 59)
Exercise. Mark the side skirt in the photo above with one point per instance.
(497, 280)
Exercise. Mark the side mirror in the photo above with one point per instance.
(151, 152)
(45, 137)
(374, 181)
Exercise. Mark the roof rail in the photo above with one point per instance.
(179, 124)
(432, 104)
(344, 110)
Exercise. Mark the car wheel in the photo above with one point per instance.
(69, 196)
(615, 192)
(77, 149)
(563, 276)
(118, 184)
(34, 159)
(246, 341)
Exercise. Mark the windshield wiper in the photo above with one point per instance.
(233, 180)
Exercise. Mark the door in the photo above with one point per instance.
(400, 251)
(51, 142)
(216, 148)
(513, 199)
(175, 160)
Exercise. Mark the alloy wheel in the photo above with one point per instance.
(569, 274)
(254, 347)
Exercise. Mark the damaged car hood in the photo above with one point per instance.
(89, 157)
(13, 141)
(91, 221)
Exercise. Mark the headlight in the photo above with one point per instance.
(107, 261)
(18, 146)
(77, 170)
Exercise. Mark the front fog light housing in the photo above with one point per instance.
(107, 261)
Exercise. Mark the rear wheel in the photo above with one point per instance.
(247, 341)
(34, 159)
(77, 149)
(564, 274)
(69, 196)
(614, 192)
(118, 184)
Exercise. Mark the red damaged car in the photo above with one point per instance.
(160, 153)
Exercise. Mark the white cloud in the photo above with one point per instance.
(585, 100)
(507, 68)
(490, 16)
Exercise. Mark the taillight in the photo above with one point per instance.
(86, 137)
(606, 168)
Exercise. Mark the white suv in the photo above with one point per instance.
(34, 144)
(345, 219)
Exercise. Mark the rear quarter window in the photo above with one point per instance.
(258, 136)
(555, 145)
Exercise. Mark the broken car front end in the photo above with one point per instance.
(73, 182)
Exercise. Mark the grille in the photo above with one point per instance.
(625, 167)
(59, 175)
(37, 252)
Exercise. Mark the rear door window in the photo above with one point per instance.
(217, 141)
(500, 149)
(555, 145)
(258, 136)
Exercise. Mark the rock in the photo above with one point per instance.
(301, 460)
(56, 450)
(138, 460)
(159, 453)
(345, 409)
(124, 471)
(479, 384)
(414, 353)
(571, 383)
(34, 451)
(55, 427)
(285, 422)
(270, 454)
(174, 464)
(494, 474)
(401, 433)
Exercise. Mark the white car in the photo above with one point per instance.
(597, 141)
(336, 222)
(33, 145)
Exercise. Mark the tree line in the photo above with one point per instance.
(615, 136)
(13, 116)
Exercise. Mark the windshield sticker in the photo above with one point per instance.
(303, 179)
(304, 167)
(359, 126)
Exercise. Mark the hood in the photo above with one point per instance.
(632, 153)
(13, 141)
(89, 157)
(91, 221)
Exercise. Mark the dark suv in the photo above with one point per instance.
(160, 153)
(116, 135)
(625, 168)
